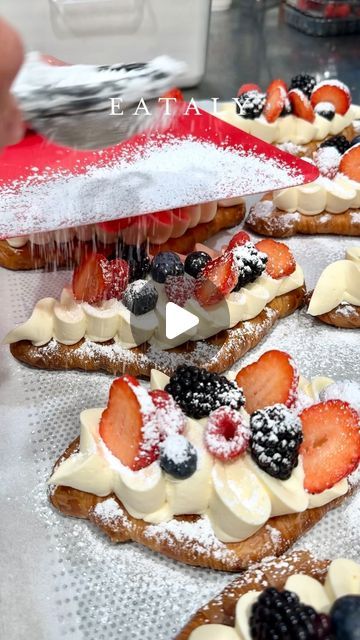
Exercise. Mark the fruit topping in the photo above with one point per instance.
(199, 392)
(355, 141)
(170, 419)
(178, 457)
(275, 440)
(327, 160)
(138, 260)
(115, 226)
(304, 82)
(250, 264)
(250, 104)
(248, 87)
(301, 105)
(345, 617)
(339, 142)
(174, 93)
(325, 110)
(346, 390)
(118, 278)
(166, 263)
(281, 615)
(275, 84)
(275, 100)
(195, 262)
(281, 261)
(179, 289)
(239, 239)
(226, 434)
(272, 379)
(140, 297)
(332, 91)
(350, 163)
(331, 445)
(217, 279)
(90, 279)
(128, 426)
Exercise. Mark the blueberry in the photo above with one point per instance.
(138, 260)
(178, 457)
(345, 617)
(195, 262)
(166, 263)
(140, 297)
(355, 141)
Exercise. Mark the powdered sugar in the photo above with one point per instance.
(347, 390)
(176, 448)
(226, 434)
(327, 160)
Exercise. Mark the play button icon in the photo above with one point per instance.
(178, 321)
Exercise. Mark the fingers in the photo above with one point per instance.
(11, 56)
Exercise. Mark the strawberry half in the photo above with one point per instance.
(170, 419)
(331, 444)
(276, 84)
(273, 379)
(179, 289)
(301, 105)
(127, 429)
(332, 91)
(174, 93)
(248, 87)
(118, 276)
(281, 261)
(115, 226)
(217, 279)
(90, 279)
(275, 100)
(238, 240)
(226, 435)
(350, 163)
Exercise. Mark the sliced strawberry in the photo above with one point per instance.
(91, 279)
(226, 434)
(331, 444)
(332, 91)
(281, 261)
(128, 431)
(179, 289)
(170, 419)
(115, 226)
(301, 105)
(350, 163)
(239, 239)
(275, 101)
(174, 93)
(275, 84)
(118, 273)
(248, 87)
(270, 380)
(217, 279)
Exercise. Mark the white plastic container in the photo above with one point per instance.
(110, 31)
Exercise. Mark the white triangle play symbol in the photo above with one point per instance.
(178, 320)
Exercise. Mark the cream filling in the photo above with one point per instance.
(289, 128)
(343, 578)
(334, 196)
(237, 497)
(68, 321)
(338, 283)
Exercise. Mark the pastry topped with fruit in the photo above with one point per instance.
(336, 297)
(301, 113)
(113, 315)
(299, 597)
(330, 204)
(211, 471)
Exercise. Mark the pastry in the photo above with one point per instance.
(113, 317)
(336, 297)
(330, 204)
(207, 472)
(295, 118)
(331, 589)
(178, 230)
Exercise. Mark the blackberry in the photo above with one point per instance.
(304, 82)
(339, 142)
(325, 110)
(250, 104)
(178, 457)
(199, 392)
(138, 260)
(275, 440)
(250, 263)
(281, 616)
(140, 297)
(166, 263)
(195, 262)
